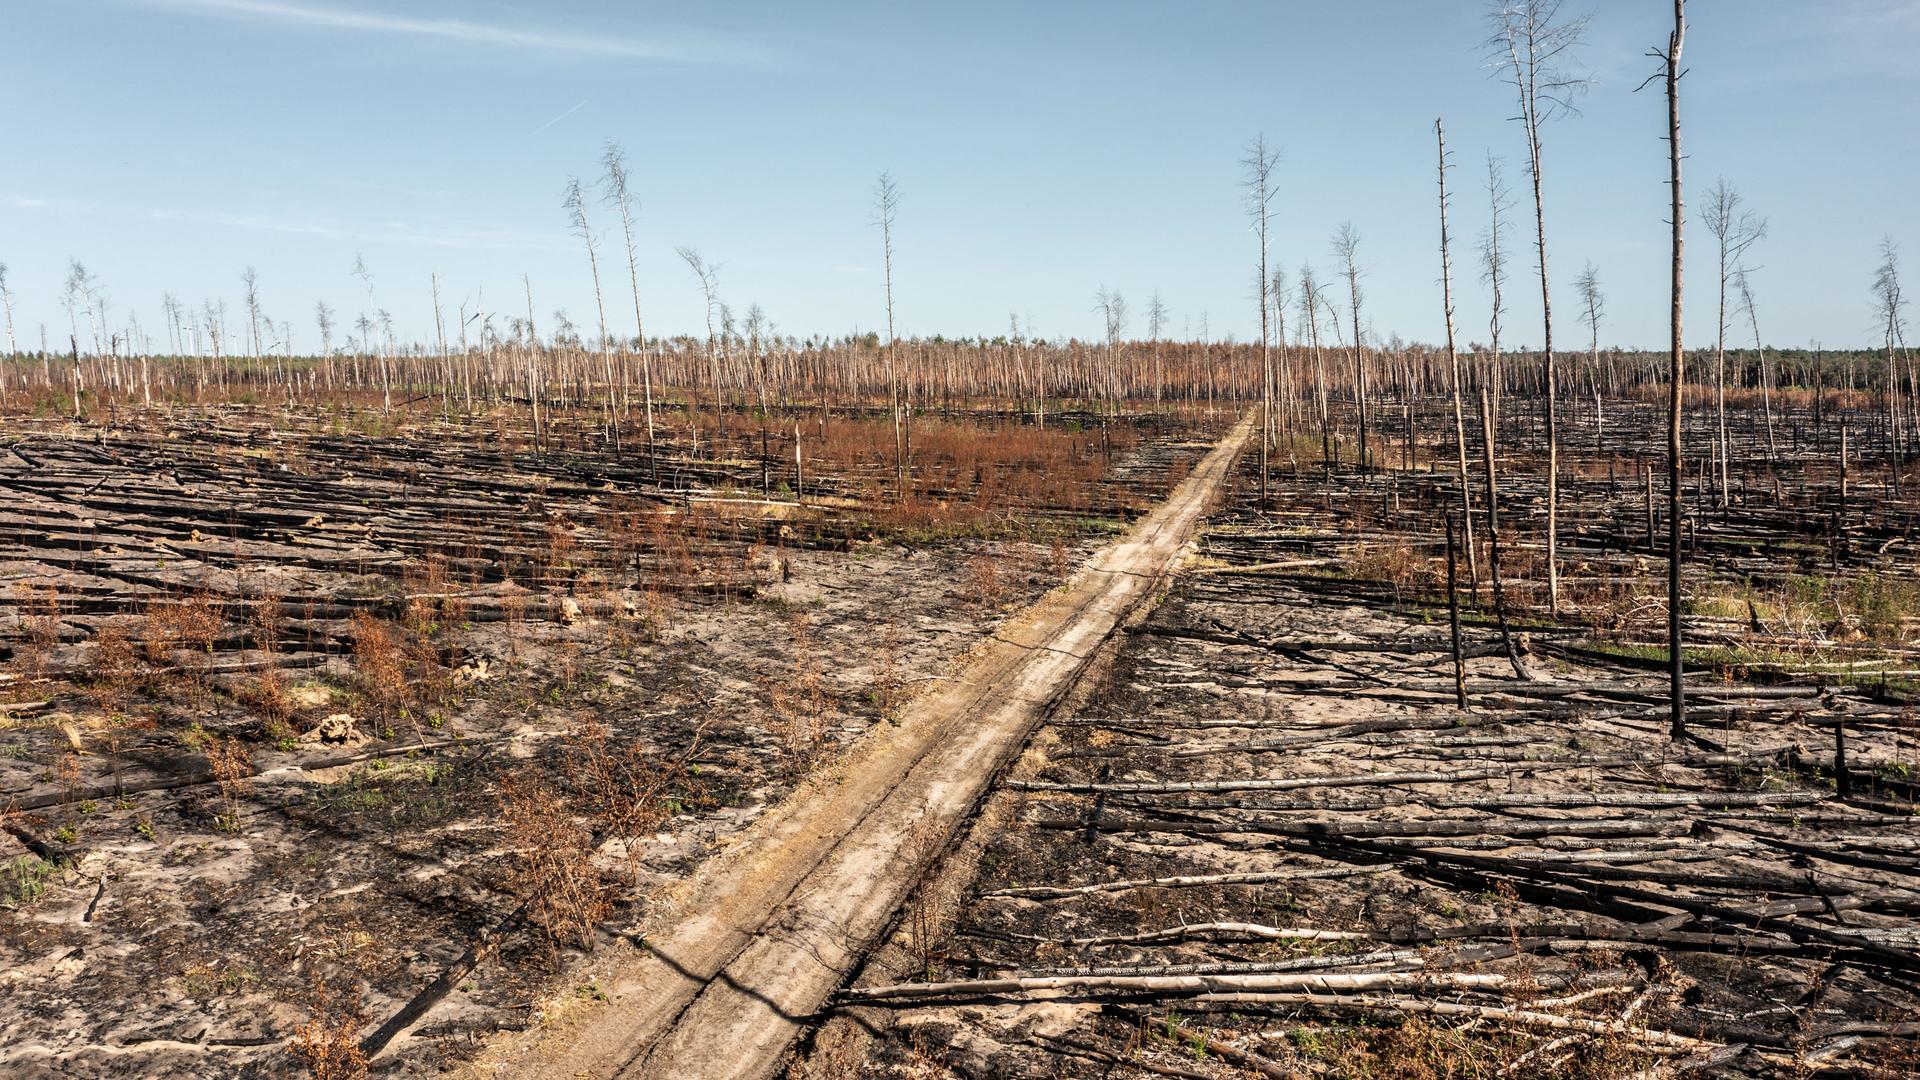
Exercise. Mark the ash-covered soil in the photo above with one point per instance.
(1266, 841)
(175, 942)
(267, 787)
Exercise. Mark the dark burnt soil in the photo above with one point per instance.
(209, 844)
(1543, 885)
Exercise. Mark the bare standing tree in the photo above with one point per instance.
(1676, 371)
(708, 275)
(1156, 322)
(1310, 317)
(1257, 180)
(6, 301)
(1734, 231)
(1113, 312)
(323, 318)
(1530, 44)
(1493, 264)
(250, 282)
(177, 320)
(73, 297)
(886, 206)
(575, 204)
(76, 295)
(1493, 270)
(1889, 303)
(367, 343)
(1593, 303)
(364, 325)
(1453, 361)
(1346, 247)
(1744, 280)
(440, 337)
(535, 391)
(1279, 292)
(620, 195)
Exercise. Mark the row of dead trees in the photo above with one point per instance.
(1532, 45)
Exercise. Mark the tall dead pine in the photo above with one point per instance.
(1531, 45)
(1258, 182)
(886, 206)
(1676, 668)
(1453, 364)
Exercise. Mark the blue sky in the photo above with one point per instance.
(1043, 150)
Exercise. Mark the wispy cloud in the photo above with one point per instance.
(405, 234)
(576, 108)
(401, 233)
(1879, 34)
(384, 189)
(467, 32)
(1880, 15)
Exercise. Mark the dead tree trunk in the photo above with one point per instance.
(1676, 665)
(1453, 366)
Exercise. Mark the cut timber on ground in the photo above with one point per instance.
(769, 931)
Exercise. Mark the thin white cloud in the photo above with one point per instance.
(466, 32)
(400, 233)
(384, 189)
(383, 232)
(26, 202)
(1880, 34)
(576, 108)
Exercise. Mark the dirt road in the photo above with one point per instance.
(767, 931)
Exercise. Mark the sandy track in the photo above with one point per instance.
(769, 930)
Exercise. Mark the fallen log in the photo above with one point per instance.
(1651, 1037)
(1519, 768)
(1050, 892)
(1174, 985)
(1368, 828)
(1558, 801)
(199, 773)
(1191, 931)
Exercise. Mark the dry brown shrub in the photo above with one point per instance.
(1394, 562)
(630, 791)
(986, 467)
(232, 768)
(39, 606)
(888, 691)
(513, 612)
(379, 662)
(191, 622)
(268, 618)
(927, 1059)
(67, 774)
(984, 586)
(565, 661)
(561, 544)
(40, 609)
(328, 1042)
(928, 915)
(554, 870)
(426, 585)
(1416, 1049)
(115, 666)
(651, 614)
(800, 706)
(669, 539)
(268, 694)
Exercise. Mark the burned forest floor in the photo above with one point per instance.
(1262, 838)
(327, 737)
